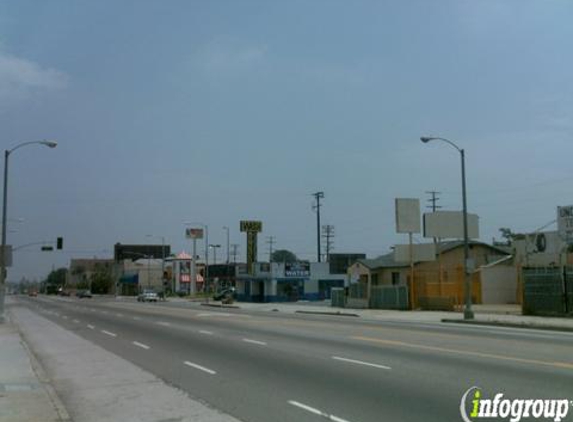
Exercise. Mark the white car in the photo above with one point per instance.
(148, 296)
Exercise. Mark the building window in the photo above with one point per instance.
(395, 278)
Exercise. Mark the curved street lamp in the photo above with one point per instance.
(49, 144)
(468, 313)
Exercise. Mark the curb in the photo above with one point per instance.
(63, 415)
(214, 305)
(327, 313)
(524, 326)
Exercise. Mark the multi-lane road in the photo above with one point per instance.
(264, 367)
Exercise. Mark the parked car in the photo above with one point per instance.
(84, 294)
(148, 296)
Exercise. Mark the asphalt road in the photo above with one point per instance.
(276, 367)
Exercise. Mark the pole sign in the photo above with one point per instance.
(565, 223)
(194, 233)
(7, 255)
(252, 228)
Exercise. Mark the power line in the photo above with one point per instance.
(317, 196)
(270, 241)
(235, 248)
(328, 234)
(433, 200)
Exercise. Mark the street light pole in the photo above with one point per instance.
(214, 247)
(228, 244)
(50, 144)
(468, 312)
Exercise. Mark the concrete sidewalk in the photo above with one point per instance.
(96, 385)
(500, 315)
(26, 394)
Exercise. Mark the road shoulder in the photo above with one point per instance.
(96, 385)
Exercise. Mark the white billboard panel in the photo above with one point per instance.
(422, 252)
(408, 215)
(450, 225)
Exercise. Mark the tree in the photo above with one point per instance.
(510, 236)
(283, 255)
(101, 280)
(57, 277)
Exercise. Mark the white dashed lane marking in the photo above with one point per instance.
(199, 367)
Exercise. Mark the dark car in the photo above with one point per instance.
(84, 294)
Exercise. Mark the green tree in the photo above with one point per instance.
(510, 236)
(57, 277)
(101, 280)
(283, 255)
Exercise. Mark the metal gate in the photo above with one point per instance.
(547, 291)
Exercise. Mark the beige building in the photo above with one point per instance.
(82, 271)
(441, 280)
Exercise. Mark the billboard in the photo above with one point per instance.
(450, 225)
(135, 252)
(297, 269)
(422, 252)
(192, 233)
(251, 226)
(407, 215)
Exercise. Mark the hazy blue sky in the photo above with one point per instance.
(217, 111)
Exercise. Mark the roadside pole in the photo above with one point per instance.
(194, 267)
(411, 247)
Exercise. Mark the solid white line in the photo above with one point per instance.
(165, 324)
(109, 333)
(359, 362)
(209, 333)
(260, 343)
(316, 411)
(201, 368)
(91, 327)
(77, 321)
(143, 346)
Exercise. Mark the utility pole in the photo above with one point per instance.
(271, 241)
(317, 196)
(434, 207)
(328, 234)
(235, 247)
(433, 200)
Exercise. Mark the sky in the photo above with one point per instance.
(167, 112)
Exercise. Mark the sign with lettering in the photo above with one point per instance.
(565, 223)
(297, 269)
(251, 226)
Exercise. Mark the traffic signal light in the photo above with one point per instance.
(60, 243)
